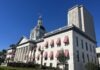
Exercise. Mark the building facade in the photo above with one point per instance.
(98, 54)
(77, 39)
(10, 55)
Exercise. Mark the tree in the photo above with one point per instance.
(12, 46)
(62, 58)
(2, 55)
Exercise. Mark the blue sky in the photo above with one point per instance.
(18, 17)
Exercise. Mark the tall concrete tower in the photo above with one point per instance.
(81, 18)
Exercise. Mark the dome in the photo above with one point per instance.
(38, 31)
(41, 27)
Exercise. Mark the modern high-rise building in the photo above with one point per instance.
(77, 39)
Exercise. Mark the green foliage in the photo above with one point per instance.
(3, 52)
(2, 55)
(15, 68)
(62, 58)
(12, 46)
(91, 66)
(22, 68)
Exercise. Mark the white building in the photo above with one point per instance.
(77, 39)
(98, 54)
(10, 55)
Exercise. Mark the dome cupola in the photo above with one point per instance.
(38, 31)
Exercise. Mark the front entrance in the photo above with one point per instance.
(63, 67)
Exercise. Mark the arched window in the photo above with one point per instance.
(39, 48)
(57, 53)
(52, 43)
(33, 59)
(66, 53)
(38, 57)
(51, 55)
(58, 42)
(46, 44)
(45, 55)
(66, 40)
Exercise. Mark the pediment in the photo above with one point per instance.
(22, 40)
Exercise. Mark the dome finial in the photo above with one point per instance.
(40, 17)
(40, 20)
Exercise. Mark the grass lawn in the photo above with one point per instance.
(15, 68)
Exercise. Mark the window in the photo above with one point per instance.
(51, 57)
(83, 57)
(44, 64)
(66, 40)
(77, 55)
(94, 49)
(88, 57)
(45, 54)
(50, 64)
(38, 58)
(82, 44)
(52, 43)
(92, 59)
(46, 44)
(39, 48)
(86, 46)
(52, 46)
(45, 58)
(66, 53)
(57, 53)
(58, 42)
(33, 59)
(77, 41)
(90, 48)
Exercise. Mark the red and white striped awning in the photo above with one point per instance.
(58, 42)
(66, 53)
(66, 40)
(57, 53)
(52, 42)
(45, 54)
(46, 44)
(51, 54)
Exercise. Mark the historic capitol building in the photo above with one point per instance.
(77, 39)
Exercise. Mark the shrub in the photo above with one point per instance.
(91, 66)
(30, 64)
(2, 69)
